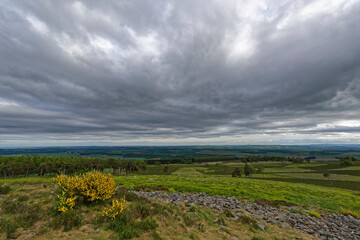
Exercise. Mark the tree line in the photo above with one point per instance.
(14, 166)
(191, 160)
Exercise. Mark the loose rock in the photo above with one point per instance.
(330, 226)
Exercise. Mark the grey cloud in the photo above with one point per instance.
(135, 70)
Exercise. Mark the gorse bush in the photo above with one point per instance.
(65, 202)
(96, 186)
(91, 186)
(116, 208)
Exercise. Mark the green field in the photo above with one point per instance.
(301, 194)
(301, 184)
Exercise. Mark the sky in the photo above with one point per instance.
(214, 72)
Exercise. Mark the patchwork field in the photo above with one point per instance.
(302, 185)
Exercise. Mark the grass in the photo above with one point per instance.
(350, 212)
(314, 214)
(325, 182)
(5, 189)
(319, 176)
(189, 171)
(302, 184)
(301, 194)
(142, 219)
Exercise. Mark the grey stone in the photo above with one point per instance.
(262, 227)
(29, 236)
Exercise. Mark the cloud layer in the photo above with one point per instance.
(179, 72)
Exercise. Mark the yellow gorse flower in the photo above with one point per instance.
(92, 186)
(116, 208)
(65, 203)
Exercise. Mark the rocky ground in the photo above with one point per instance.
(329, 226)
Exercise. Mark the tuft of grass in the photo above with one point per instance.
(156, 236)
(189, 220)
(12, 206)
(247, 220)
(67, 220)
(201, 227)
(142, 210)
(314, 214)
(296, 211)
(146, 224)
(23, 198)
(193, 236)
(228, 213)
(221, 220)
(5, 189)
(8, 226)
(192, 208)
(137, 219)
(349, 212)
(257, 238)
(30, 217)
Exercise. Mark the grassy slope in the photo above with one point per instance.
(172, 222)
(301, 194)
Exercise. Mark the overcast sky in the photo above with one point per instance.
(179, 72)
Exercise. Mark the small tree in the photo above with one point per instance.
(236, 172)
(248, 170)
(327, 175)
(347, 161)
(260, 171)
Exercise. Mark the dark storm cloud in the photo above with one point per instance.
(136, 70)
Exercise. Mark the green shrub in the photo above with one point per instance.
(347, 161)
(236, 172)
(5, 189)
